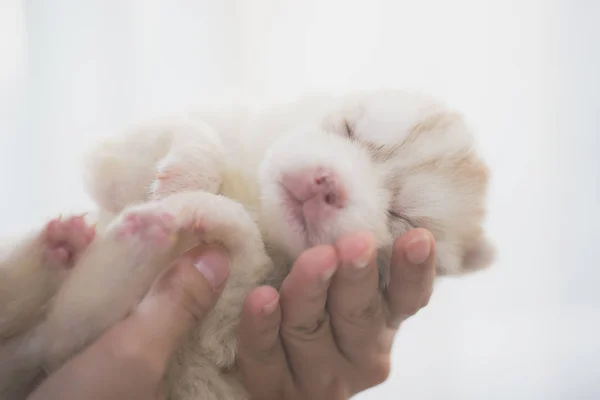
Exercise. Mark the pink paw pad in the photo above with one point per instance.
(66, 239)
(157, 227)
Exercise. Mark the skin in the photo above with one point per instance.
(330, 339)
(327, 334)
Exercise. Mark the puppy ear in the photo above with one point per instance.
(478, 255)
(471, 256)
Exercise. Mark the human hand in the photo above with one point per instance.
(129, 360)
(328, 333)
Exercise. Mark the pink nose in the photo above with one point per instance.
(316, 192)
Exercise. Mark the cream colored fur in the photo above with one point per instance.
(405, 161)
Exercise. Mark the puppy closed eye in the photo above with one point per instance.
(395, 216)
(349, 131)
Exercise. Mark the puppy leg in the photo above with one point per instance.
(194, 163)
(32, 270)
(153, 161)
(109, 280)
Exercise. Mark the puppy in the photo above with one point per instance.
(266, 184)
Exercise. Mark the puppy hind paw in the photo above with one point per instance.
(65, 239)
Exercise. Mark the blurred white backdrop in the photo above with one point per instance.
(524, 72)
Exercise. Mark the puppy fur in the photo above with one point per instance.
(390, 161)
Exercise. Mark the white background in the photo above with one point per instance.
(524, 72)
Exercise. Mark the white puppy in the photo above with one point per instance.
(265, 184)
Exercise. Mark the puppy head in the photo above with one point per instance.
(383, 162)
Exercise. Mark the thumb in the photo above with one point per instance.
(132, 357)
(180, 298)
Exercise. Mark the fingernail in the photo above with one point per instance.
(418, 249)
(364, 259)
(328, 274)
(214, 266)
(270, 307)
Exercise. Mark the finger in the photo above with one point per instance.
(354, 298)
(304, 292)
(259, 326)
(130, 359)
(260, 356)
(305, 328)
(411, 276)
(178, 300)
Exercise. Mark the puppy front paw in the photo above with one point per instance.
(213, 219)
(185, 173)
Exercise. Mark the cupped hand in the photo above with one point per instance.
(328, 333)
